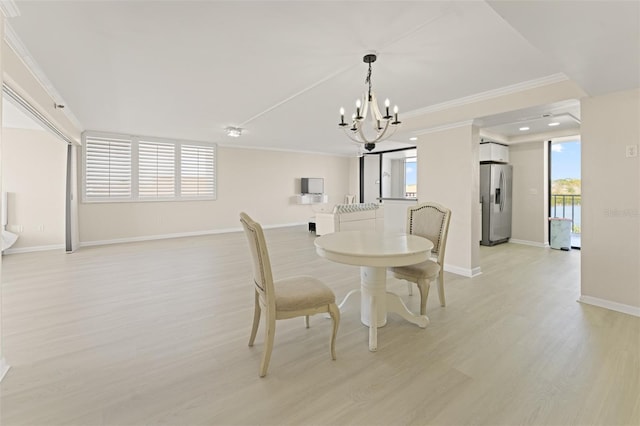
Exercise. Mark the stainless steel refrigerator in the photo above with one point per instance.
(495, 196)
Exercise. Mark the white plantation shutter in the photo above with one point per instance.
(156, 170)
(197, 171)
(131, 168)
(107, 168)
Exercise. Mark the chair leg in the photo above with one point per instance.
(306, 320)
(410, 288)
(256, 319)
(270, 331)
(335, 316)
(441, 288)
(423, 286)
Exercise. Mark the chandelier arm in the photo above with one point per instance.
(365, 107)
(376, 117)
(379, 134)
(348, 134)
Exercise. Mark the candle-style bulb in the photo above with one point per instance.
(395, 109)
(386, 108)
(342, 123)
(358, 103)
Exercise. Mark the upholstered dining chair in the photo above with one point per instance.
(285, 298)
(431, 221)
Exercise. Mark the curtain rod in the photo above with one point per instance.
(34, 113)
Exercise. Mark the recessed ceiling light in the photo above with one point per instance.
(555, 123)
(413, 138)
(524, 129)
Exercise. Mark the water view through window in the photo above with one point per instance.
(566, 200)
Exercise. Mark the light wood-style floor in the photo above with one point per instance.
(155, 333)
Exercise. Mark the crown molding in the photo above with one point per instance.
(9, 8)
(491, 94)
(292, 151)
(444, 127)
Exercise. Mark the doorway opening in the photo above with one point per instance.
(37, 161)
(565, 194)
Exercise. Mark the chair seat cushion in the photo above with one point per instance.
(427, 269)
(301, 292)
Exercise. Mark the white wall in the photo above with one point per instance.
(529, 223)
(371, 178)
(34, 176)
(354, 177)
(4, 367)
(260, 182)
(396, 180)
(611, 203)
(449, 173)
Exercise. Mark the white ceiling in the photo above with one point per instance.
(282, 69)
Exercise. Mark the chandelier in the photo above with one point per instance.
(382, 126)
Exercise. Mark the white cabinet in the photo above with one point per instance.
(312, 198)
(491, 151)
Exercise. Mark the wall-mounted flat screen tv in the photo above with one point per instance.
(312, 185)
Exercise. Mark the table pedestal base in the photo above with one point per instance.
(376, 298)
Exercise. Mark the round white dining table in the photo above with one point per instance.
(374, 252)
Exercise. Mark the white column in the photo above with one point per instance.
(449, 173)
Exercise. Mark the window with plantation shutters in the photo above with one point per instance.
(107, 168)
(197, 173)
(130, 168)
(156, 170)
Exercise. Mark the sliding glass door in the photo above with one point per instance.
(566, 196)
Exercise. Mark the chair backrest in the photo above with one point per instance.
(349, 199)
(262, 275)
(430, 220)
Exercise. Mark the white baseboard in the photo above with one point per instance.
(614, 306)
(529, 243)
(284, 225)
(465, 272)
(4, 368)
(179, 235)
(156, 237)
(34, 248)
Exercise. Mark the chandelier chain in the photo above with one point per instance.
(368, 81)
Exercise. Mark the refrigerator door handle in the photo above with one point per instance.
(502, 188)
